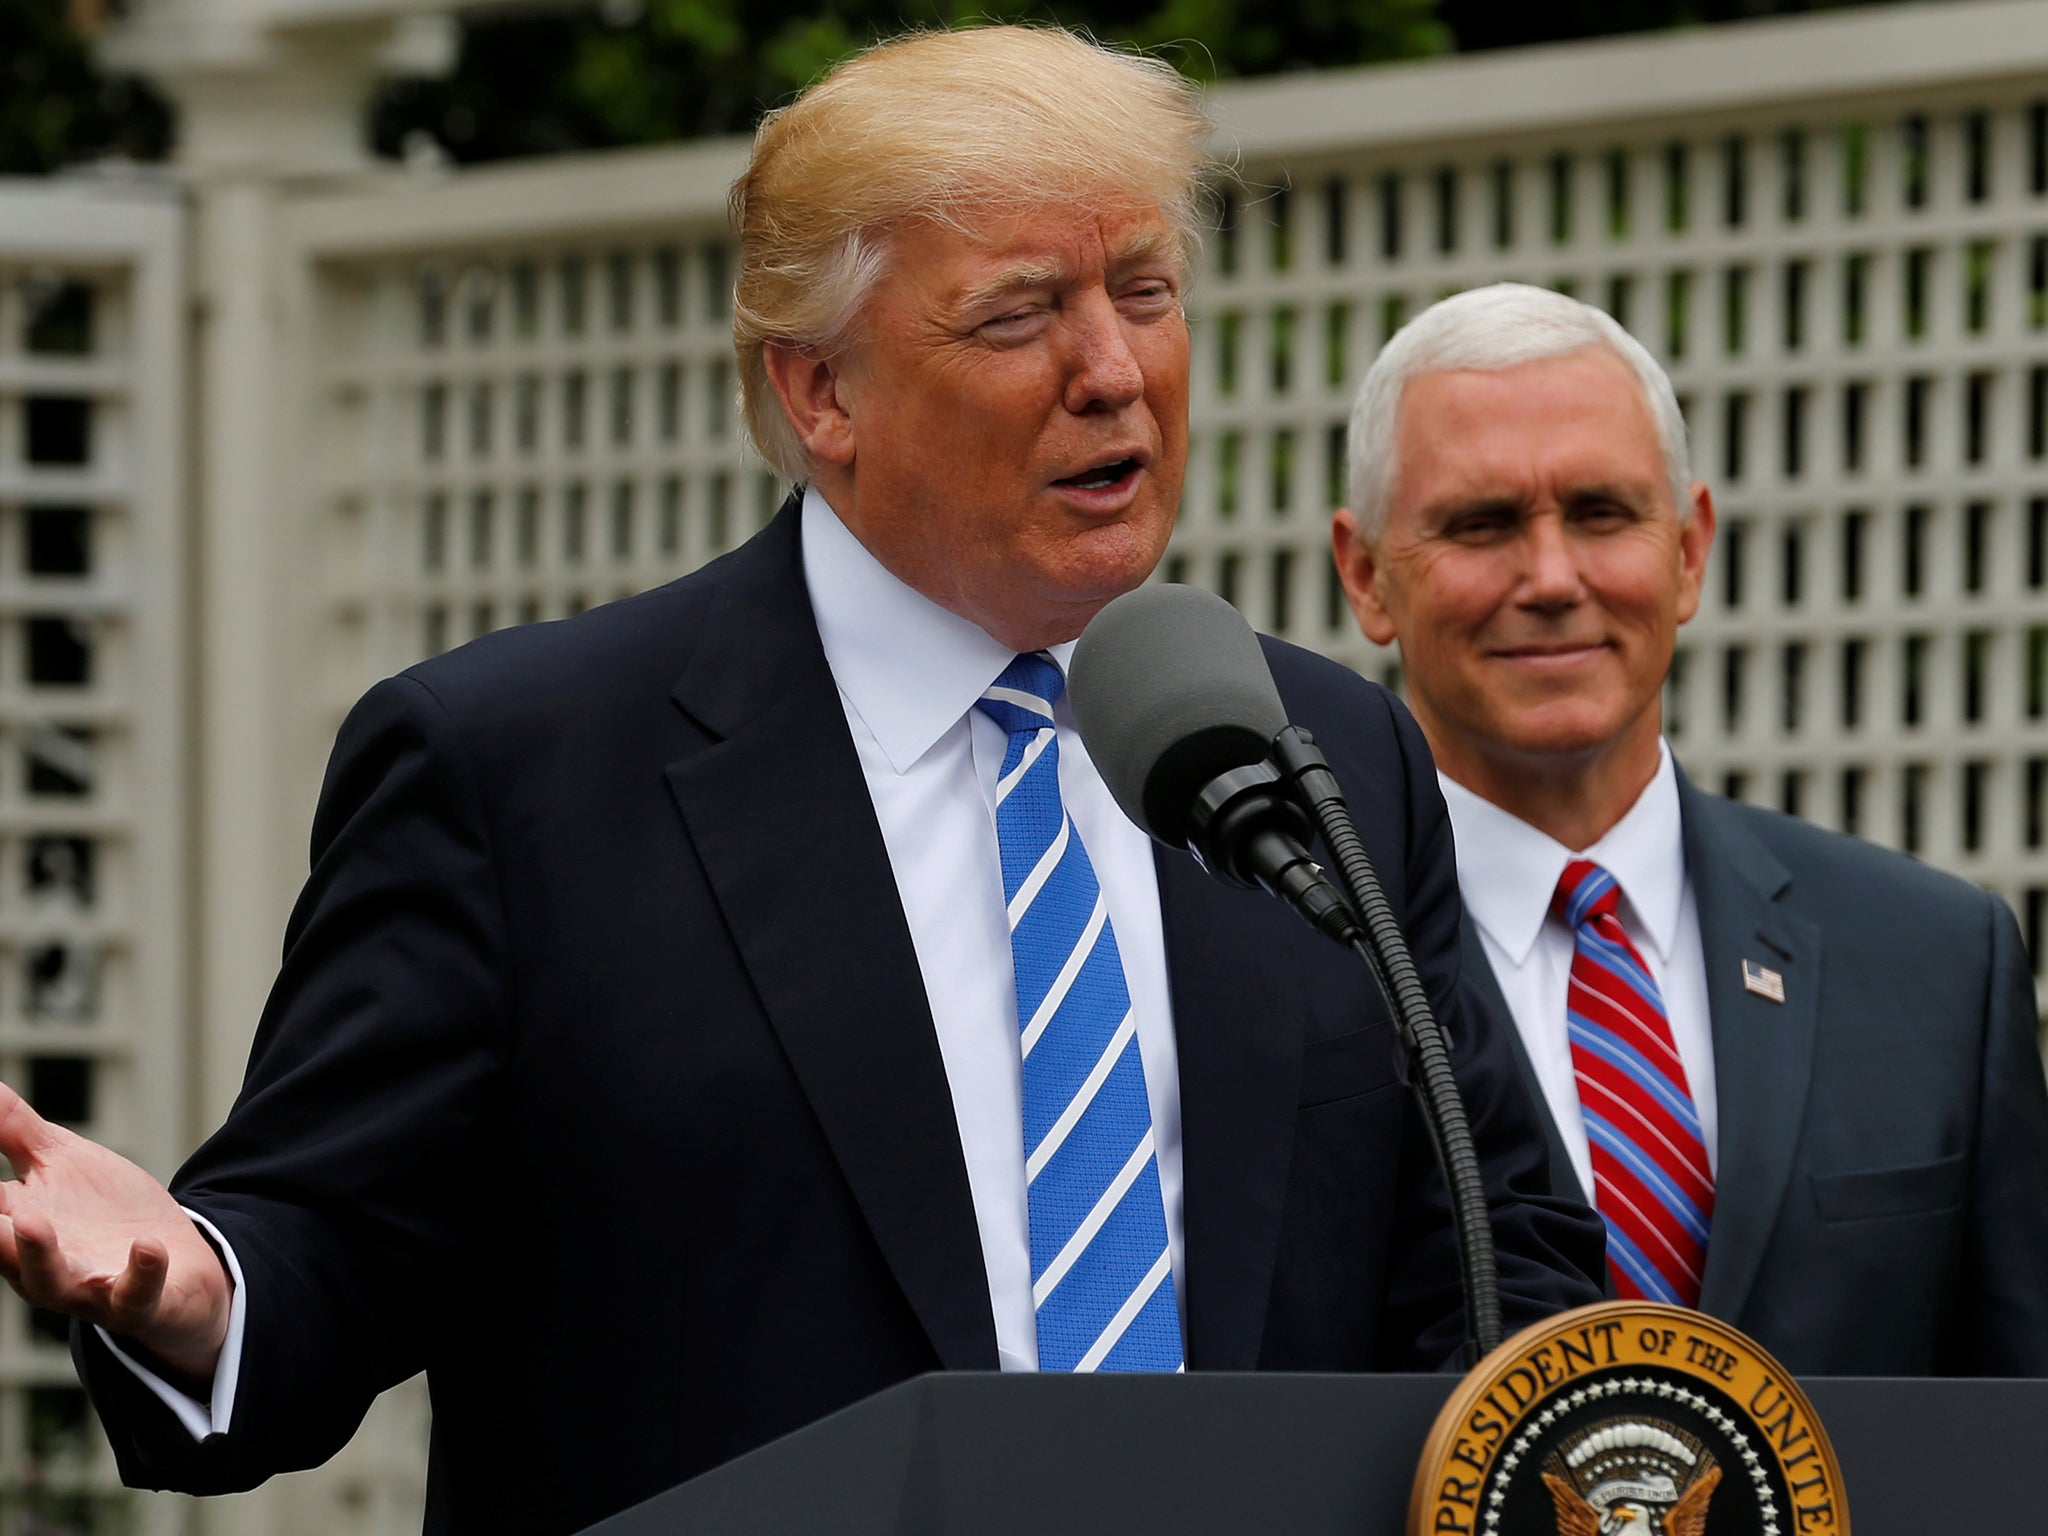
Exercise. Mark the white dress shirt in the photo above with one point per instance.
(1507, 871)
(909, 673)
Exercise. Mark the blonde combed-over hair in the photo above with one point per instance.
(952, 128)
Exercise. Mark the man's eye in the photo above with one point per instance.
(1606, 514)
(1017, 325)
(1478, 527)
(1147, 297)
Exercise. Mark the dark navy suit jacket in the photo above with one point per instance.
(599, 1082)
(1881, 1201)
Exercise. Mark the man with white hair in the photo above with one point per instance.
(1795, 1073)
(741, 998)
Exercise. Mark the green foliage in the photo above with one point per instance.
(55, 107)
(1481, 24)
(529, 84)
(576, 76)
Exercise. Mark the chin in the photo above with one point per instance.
(1107, 567)
(1555, 739)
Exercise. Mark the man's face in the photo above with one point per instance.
(1531, 565)
(1016, 415)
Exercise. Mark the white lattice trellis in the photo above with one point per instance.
(92, 1000)
(1851, 305)
(1839, 248)
(552, 428)
(438, 405)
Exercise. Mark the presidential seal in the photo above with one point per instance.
(1628, 1419)
(1633, 1476)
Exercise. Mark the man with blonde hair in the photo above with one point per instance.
(1796, 1073)
(759, 962)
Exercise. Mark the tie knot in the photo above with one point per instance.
(1022, 698)
(1584, 891)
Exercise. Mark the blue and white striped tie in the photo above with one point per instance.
(1101, 1277)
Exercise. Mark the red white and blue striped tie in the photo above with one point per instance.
(1650, 1175)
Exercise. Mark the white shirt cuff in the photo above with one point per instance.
(201, 1419)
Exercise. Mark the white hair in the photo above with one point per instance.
(1489, 329)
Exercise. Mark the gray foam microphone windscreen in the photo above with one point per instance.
(1169, 689)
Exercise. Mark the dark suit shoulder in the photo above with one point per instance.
(636, 644)
(1839, 868)
(1297, 669)
(1327, 697)
(1363, 727)
(542, 710)
(740, 627)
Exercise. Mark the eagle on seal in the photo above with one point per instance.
(1686, 1517)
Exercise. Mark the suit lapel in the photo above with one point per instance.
(1236, 1012)
(1763, 1051)
(779, 814)
(1478, 976)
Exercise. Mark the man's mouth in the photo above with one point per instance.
(1102, 476)
(1549, 651)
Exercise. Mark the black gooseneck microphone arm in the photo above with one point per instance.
(1384, 949)
(1253, 825)
(1173, 696)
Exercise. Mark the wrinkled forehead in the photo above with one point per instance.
(1477, 421)
(1596, 371)
(1120, 226)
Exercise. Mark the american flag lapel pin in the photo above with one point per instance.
(1763, 981)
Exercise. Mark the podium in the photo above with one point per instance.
(989, 1455)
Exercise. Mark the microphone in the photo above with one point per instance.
(1173, 698)
(1172, 695)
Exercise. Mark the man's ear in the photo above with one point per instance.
(1695, 539)
(1358, 567)
(814, 399)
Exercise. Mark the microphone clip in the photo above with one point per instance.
(1247, 830)
(1241, 820)
(1302, 769)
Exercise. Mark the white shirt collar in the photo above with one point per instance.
(909, 668)
(1507, 869)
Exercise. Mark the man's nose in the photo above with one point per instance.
(1103, 372)
(1550, 571)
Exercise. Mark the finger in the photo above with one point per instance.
(132, 1302)
(10, 1251)
(39, 1259)
(24, 1134)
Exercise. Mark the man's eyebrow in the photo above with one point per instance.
(1026, 276)
(1499, 503)
(1483, 505)
(1629, 493)
(1153, 245)
(1021, 278)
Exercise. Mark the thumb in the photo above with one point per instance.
(24, 1135)
(132, 1303)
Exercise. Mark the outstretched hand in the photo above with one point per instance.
(85, 1232)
